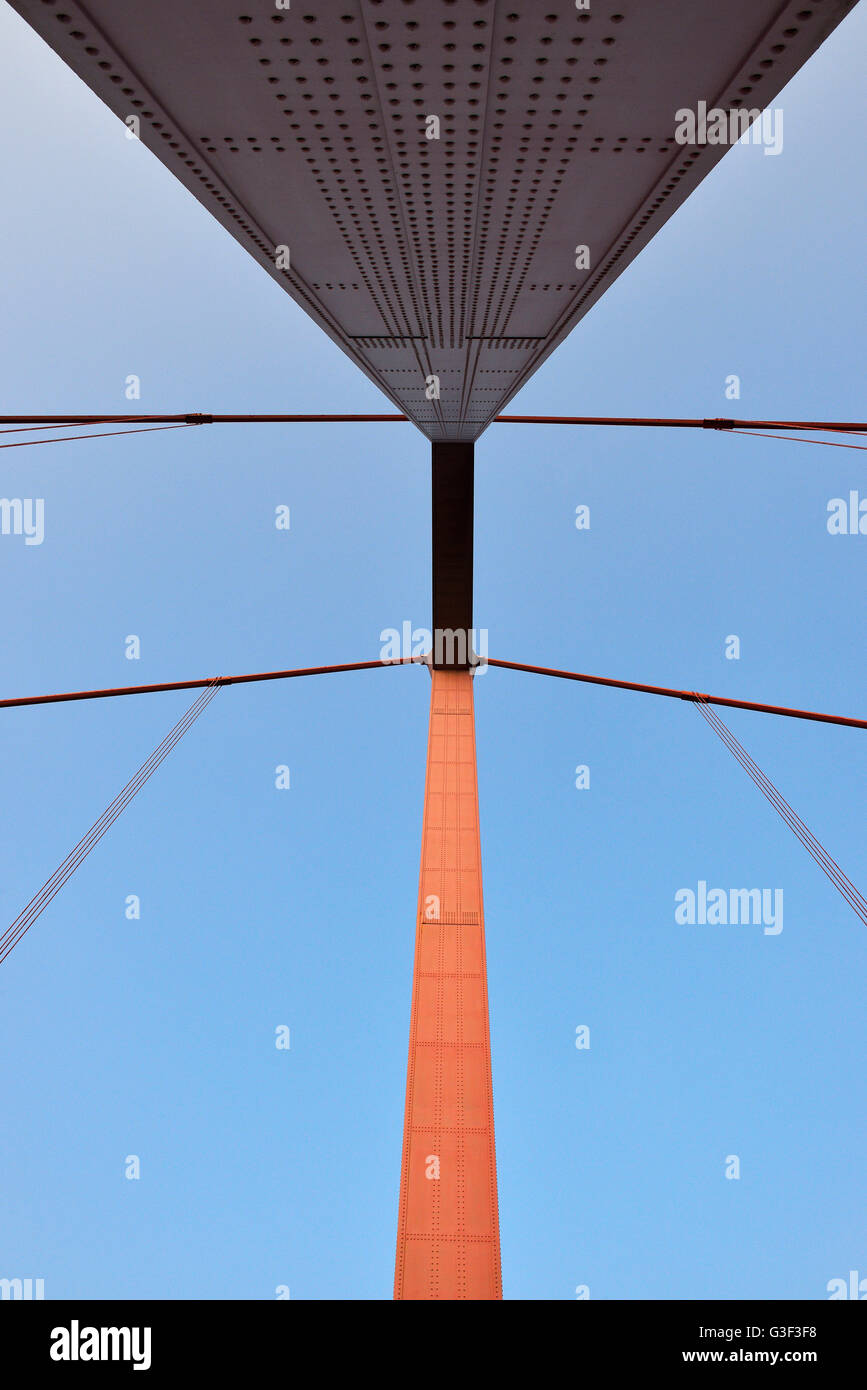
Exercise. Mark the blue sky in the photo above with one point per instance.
(262, 908)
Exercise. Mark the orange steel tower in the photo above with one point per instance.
(448, 1239)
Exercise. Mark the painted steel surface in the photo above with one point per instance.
(305, 132)
(448, 1241)
(452, 491)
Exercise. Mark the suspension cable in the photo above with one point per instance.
(70, 438)
(638, 421)
(198, 684)
(29, 423)
(683, 694)
(211, 685)
(653, 422)
(209, 688)
(68, 695)
(793, 439)
(829, 866)
(108, 420)
(25, 919)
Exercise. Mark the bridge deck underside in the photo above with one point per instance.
(445, 267)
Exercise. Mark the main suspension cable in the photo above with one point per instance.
(718, 423)
(636, 421)
(31, 423)
(682, 694)
(109, 693)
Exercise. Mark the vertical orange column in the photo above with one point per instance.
(448, 1237)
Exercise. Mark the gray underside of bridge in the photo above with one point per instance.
(444, 267)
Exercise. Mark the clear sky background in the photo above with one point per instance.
(262, 907)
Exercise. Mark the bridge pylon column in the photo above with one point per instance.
(448, 1241)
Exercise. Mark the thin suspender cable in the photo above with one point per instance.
(49, 890)
(829, 866)
(86, 844)
(779, 802)
(71, 421)
(793, 439)
(70, 438)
